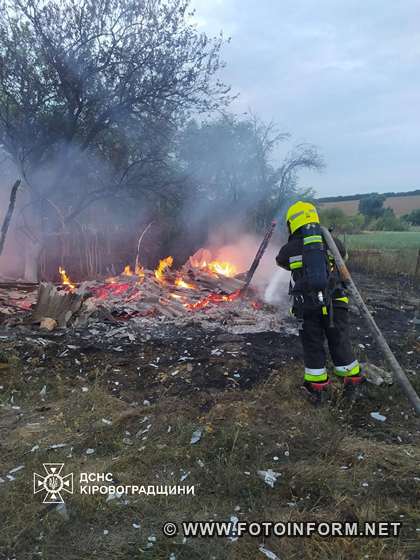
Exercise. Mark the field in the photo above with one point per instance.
(385, 240)
(384, 252)
(131, 408)
(400, 204)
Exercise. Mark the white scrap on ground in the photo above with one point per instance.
(377, 416)
(196, 436)
(270, 477)
(184, 475)
(268, 553)
(17, 469)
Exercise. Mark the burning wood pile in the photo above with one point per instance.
(199, 284)
(204, 290)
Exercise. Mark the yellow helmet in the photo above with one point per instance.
(300, 214)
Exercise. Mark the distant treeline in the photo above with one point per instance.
(359, 196)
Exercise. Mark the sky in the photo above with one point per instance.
(343, 75)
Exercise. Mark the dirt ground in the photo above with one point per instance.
(130, 408)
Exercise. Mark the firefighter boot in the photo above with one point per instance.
(317, 393)
(353, 387)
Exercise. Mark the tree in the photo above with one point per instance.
(90, 95)
(333, 217)
(413, 217)
(372, 206)
(231, 162)
(336, 218)
(388, 222)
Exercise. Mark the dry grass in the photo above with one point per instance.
(242, 432)
(384, 263)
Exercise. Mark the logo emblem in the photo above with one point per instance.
(53, 483)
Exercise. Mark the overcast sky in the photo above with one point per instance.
(342, 74)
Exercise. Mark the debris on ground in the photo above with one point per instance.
(377, 416)
(269, 476)
(191, 295)
(268, 553)
(376, 375)
(196, 436)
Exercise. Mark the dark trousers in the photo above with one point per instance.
(314, 329)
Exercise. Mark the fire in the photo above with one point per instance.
(128, 272)
(203, 260)
(222, 268)
(163, 265)
(111, 289)
(180, 283)
(139, 271)
(65, 279)
(213, 298)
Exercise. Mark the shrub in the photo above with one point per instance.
(336, 218)
(413, 217)
(389, 222)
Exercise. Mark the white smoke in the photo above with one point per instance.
(270, 281)
(276, 293)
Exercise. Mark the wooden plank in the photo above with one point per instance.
(53, 304)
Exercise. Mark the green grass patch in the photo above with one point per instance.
(384, 240)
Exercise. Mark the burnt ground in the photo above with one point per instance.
(65, 392)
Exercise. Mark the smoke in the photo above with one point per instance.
(277, 289)
(270, 282)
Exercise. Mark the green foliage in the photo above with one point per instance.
(413, 217)
(388, 222)
(355, 223)
(372, 206)
(337, 219)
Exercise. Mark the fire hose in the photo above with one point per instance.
(345, 276)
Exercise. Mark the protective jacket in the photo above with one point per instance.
(290, 258)
(317, 322)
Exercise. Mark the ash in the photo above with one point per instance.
(130, 307)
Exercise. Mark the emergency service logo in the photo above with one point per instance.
(53, 483)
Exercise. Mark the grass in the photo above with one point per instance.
(384, 240)
(396, 252)
(269, 426)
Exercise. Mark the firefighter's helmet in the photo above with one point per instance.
(300, 214)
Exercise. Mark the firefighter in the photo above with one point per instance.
(320, 303)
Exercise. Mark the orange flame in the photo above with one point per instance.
(213, 298)
(180, 282)
(65, 279)
(139, 271)
(202, 260)
(222, 268)
(163, 265)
